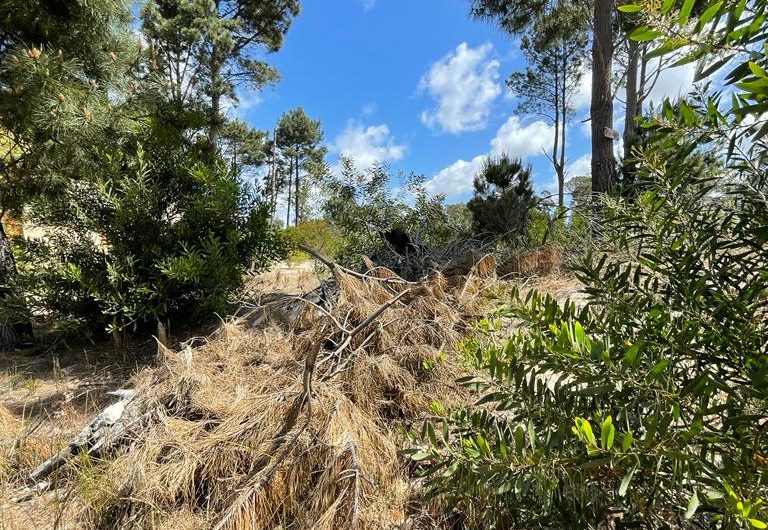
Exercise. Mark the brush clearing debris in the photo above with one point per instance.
(278, 422)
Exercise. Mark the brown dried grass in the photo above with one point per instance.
(229, 438)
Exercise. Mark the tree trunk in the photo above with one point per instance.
(563, 126)
(290, 188)
(214, 127)
(9, 337)
(556, 141)
(601, 109)
(632, 112)
(296, 198)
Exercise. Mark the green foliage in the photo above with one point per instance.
(566, 229)
(298, 137)
(316, 233)
(361, 205)
(645, 407)
(159, 233)
(648, 397)
(502, 200)
(717, 35)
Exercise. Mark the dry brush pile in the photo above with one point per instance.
(275, 422)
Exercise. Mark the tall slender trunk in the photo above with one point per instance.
(216, 93)
(273, 183)
(556, 140)
(214, 127)
(632, 111)
(296, 209)
(9, 337)
(641, 95)
(563, 125)
(601, 108)
(290, 184)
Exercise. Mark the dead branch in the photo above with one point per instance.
(333, 266)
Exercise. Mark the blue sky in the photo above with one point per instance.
(416, 84)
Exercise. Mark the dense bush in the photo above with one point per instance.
(315, 233)
(502, 200)
(162, 232)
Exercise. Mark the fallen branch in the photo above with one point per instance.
(105, 431)
(335, 266)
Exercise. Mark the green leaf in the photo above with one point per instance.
(422, 455)
(685, 12)
(633, 353)
(531, 434)
(668, 4)
(756, 69)
(709, 13)
(607, 433)
(693, 505)
(756, 523)
(629, 8)
(625, 481)
(644, 33)
(626, 441)
(658, 368)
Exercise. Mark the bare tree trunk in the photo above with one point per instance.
(290, 188)
(296, 209)
(601, 109)
(273, 171)
(9, 337)
(563, 125)
(641, 95)
(556, 141)
(632, 111)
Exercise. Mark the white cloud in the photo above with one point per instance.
(513, 138)
(672, 83)
(246, 100)
(582, 96)
(579, 167)
(464, 83)
(369, 4)
(520, 140)
(368, 144)
(456, 179)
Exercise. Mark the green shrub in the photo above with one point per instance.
(361, 205)
(646, 407)
(502, 200)
(316, 233)
(162, 232)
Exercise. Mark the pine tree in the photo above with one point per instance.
(502, 199)
(207, 49)
(57, 60)
(556, 57)
(299, 137)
